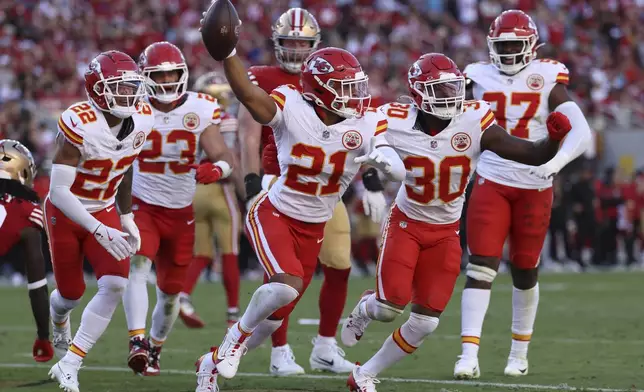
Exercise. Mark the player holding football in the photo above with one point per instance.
(323, 136)
(98, 141)
(216, 214)
(296, 34)
(440, 138)
(511, 199)
(162, 192)
(21, 224)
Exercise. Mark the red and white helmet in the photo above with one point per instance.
(437, 86)
(512, 41)
(164, 57)
(113, 84)
(334, 80)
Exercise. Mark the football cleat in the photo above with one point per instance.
(62, 338)
(66, 374)
(207, 372)
(467, 368)
(328, 356)
(229, 354)
(283, 362)
(138, 358)
(188, 314)
(361, 381)
(516, 367)
(154, 361)
(354, 326)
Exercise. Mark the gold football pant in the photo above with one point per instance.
(216, 214)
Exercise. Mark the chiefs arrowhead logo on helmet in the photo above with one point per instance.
(320, 66)
(415, 70)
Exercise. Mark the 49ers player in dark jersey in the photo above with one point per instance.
(21, 224)
(296, 34)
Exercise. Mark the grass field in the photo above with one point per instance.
(587, 338)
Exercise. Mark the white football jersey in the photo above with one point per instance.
(104, 159)
(162, 173)
(520, 104)
(438, 167)
(316, 161)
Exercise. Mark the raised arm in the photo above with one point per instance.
(259, 104)
(500, 142)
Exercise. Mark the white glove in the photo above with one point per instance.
(374, 204)
(375, 158)
(114, 241)
(127, 221)
(543, 172)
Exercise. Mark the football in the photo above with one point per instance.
(220, 29)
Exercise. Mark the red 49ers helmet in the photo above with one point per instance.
(164, 57)
(512, 41)
(113, 83)
(334, 80)
(437, 86)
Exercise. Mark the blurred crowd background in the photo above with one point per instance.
(45, 46)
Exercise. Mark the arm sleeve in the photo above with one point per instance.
(62, 178)
(577, 140)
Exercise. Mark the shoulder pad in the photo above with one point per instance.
(554, 71)
(208, 105)
(283, 93)
(73, 121)
(479, 112)
(473, 70)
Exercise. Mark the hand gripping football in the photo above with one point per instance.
(220, 28)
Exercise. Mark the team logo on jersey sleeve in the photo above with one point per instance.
(351, 140)
(190, 121)
(461, 141)
(535, 82)
(139, 139)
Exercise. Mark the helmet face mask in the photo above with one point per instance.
(122, 94)
(165, 71)
(296, 34)
(16, 162)
(512, 41)
(333, 79)
(114, 85)
(437, 86)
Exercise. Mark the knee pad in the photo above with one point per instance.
(421, 324)
(63, 303)
(480, 273)
(113, 286)
(139, 269)
(381, 311)
(284, 292)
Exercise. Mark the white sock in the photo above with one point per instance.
(524, 312)
(267, 299)
(404, 341)
(96, 316)
(262, 332)
(164, 315)
(135, 299)
(474, 304)
(60, 308)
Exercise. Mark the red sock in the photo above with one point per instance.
(279, 337)
(230, 273)
(194, 271)
(333, 295)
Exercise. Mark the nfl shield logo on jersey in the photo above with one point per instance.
(139, 139)
(190, 121)
(461, 141)
(433, 144)
(351, 140)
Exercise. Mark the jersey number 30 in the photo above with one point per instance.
(318, 157)
(428, 192)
